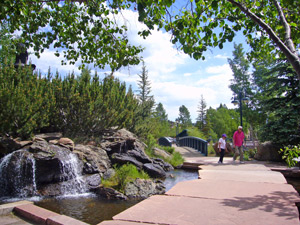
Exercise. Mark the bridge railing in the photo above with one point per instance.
(194, 142)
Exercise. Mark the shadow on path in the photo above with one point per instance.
(273, 203)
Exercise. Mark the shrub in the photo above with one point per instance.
(246, 155)
(123, 175)
(26, 101)
(252, 152)
(210, 149)
(289, 153)
(167, 149)
(150, 142)
(176, 159)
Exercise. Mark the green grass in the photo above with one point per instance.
(176, 159)
(124, 174)
(166, 148)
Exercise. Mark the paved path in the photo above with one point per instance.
(230, 193)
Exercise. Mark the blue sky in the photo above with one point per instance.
(176, 79)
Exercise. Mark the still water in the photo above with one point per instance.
(93, 210)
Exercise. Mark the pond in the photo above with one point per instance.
(93, 210)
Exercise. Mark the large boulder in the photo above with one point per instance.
(139, 155)
(268, 152)
(49, 136)
(160, 152)
(141, 188)
(9, 145)
(165, 165)
(109, 193)
(95, 159)
(93, 181)
(52, 162)
(122, 159)
(154, 170)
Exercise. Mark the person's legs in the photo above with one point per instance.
(236, 153)
(241, 153)
(222, 153)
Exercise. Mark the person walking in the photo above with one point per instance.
(222, 147)
(238, 139)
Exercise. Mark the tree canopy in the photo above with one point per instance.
(184, 116)
(271, 27)
(87, 29)
(82, 30)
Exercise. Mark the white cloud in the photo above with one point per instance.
(221, 56)
(218, 69)
(49, 60)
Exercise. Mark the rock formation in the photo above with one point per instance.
(51, 164)
(268, 152)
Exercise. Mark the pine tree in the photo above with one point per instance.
(146, 100)
(279, 99)
(184, 117)
(26, 101)
(201, 119)
(240, 67)
(160, 113)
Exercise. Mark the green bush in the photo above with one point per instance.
(167, 148)
(290, 152)
(176, 159)
(150, 142)
(195, 132)
(123, 175)
(252, 152)
(26, 101)
(246, 155)
(210, 149)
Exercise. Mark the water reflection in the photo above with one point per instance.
(179, 176)
(89, 209)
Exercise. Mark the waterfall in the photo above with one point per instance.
(17, 175)
(74, 183)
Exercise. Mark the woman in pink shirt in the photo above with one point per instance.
(238, 139)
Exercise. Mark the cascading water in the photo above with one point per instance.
(74, 183)
(17, 175)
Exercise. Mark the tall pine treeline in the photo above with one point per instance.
(76, 106)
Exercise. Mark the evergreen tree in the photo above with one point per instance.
(241, 85)
(278, 99)
(143, 121)
(26, 101)
(160, 113)
(184, 117)
(240, 67)
(146, 100)
(201, 119)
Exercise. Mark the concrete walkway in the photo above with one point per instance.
(230, 193)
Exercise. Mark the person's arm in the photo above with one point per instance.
(219, 146)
